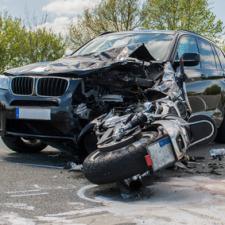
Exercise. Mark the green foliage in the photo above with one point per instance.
(41, 45)
(109, 15)
(115, 15)
(223, 46)
(213, 90)
(193, 15)
(12, 32)
(20, 46)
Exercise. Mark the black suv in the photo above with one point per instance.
(52, 103)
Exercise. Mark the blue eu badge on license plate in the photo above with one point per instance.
(35, 114)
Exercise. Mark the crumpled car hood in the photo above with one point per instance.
(85, 64)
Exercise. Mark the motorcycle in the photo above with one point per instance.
(147, 136)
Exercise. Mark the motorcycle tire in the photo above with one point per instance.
(108, 167)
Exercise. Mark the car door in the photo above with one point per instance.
(204, 81)
(211, 82)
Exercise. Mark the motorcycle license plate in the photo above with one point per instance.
(161, 153)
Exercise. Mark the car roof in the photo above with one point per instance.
(181, 31)
(142, 31)
(170, 32)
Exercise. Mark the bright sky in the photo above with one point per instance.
(60, 12)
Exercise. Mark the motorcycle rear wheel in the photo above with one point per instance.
(108, 167)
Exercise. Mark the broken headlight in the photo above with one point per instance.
(4, 82)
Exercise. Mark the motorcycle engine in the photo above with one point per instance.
(181, 109)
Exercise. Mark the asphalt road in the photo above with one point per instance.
(36, 189)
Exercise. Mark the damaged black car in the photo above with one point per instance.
(52, 103)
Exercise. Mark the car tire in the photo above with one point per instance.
(220, 137)
(108, 167)
(21, 145)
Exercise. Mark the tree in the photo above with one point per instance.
(22, 44)
(12, 33)
(108, 15)
(192, 15)
(41, 43)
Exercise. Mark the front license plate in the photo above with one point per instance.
(161, 154)
(35, 114)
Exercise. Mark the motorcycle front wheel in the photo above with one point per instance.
(108, 167)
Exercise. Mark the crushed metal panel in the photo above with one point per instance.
(86, 64)
(168, 85)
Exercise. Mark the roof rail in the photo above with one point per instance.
(195, 33)
(107, 32)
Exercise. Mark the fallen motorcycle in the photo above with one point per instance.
(147, 136)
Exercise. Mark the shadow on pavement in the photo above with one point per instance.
(51, 157)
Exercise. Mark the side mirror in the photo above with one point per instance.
(187, 59)
(190, 59)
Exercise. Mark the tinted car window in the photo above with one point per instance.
(207, 57)
(187, 45)
(157, 44)
(217, 59)
(221, 57)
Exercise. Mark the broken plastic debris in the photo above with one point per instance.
(182, 166)
(70, 165)
(125, 196)
(77, 168)
(134, 182)
(196, 158)
(214, 171)
(216, 152)
(54, 177)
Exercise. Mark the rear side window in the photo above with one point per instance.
(218, 66)
(221, 57)
(187, 45)
(207, 57)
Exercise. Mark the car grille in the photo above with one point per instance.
(51, 86)
(46, 86)
(22, 85)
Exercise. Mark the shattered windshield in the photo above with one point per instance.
(157, 44)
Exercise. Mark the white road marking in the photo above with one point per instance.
(23, 195)
(81, 194)
(82, 212)
(203, 102)
(18, 206)
(12, 192)
(39, 165)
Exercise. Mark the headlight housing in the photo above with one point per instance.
(4, 82)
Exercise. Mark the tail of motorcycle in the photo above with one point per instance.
(178, 136)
